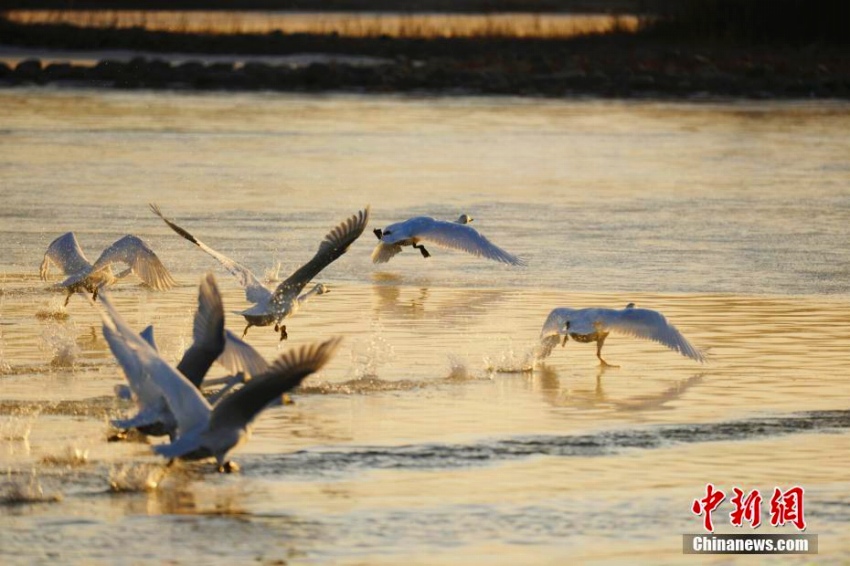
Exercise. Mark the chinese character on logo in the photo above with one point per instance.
(787, 508)
(746, 508)
(707, 504)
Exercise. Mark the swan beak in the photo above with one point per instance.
(378, 233)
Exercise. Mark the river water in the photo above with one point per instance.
(427, 438)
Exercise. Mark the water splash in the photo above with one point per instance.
(135, 477)
(366, 359)
(458, 369)
(72, 457)
(511, 361)
(15, 491)
(62, 342)
(272, 274)
(55, 310)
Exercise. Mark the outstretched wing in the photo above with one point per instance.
(254, 289)
(185, 401)
(649, 325)
(239, 408)
(332, 247)
(551, 332)
(66, 254)
(141, 259)
(240, 357)
(464, 238)
(385, 252)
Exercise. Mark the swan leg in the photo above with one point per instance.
(283, 334)
(422, 249)
(244, 332)
(228, 467)
(599, 344)
(94, 294)
(118, 436)
(68, 297)
(564, 341)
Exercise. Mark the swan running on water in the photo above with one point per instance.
(65, 253)
(203, 430)
(457, 235)
(594, 325)
(211, 342)
(271, 307)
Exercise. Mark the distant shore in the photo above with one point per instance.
(618, 65)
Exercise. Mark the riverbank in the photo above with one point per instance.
(608, 65)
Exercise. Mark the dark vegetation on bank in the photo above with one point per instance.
(691, 47)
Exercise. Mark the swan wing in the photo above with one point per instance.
(385, 252)
(552, 331)
(207, 333)
(239, 408)
(185, 401)
(141, 259)
(255, 291)
(240, 357)
(65, 253)
(335, 244)
(649, 325)
(464, 238)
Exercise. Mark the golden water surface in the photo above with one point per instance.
(428, 438)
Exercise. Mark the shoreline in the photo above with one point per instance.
(613, 65)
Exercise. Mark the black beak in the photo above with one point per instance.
(378, 233)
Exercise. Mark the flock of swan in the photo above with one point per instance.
(209, 418)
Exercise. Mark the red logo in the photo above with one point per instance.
(785, 507)
(707, 504)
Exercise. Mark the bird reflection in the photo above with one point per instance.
(421, 303)
(545, 380)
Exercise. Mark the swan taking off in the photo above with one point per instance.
(211, 342)
(205, 430)
(271, 307)
(457, 235)
(594, 325)
(65, 253)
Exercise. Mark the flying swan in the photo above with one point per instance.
(203, 430)
(271, 307)
(211, 342)
(65, 253)
(457, 235)
(594, 325)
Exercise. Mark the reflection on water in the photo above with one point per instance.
(428, 437)
(345, 24)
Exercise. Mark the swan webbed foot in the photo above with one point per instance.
(378, 232)
(276, 327)
(94, 293)
(119, 436)
(244, 332)
(228, 467)
(283, 334)
(422, 249)
(604, 364)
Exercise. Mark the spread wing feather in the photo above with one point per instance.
(141, 259)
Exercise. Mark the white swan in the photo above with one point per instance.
(271, 307)
(205, 430)
(594, 325)
(457, 235)
(211, 342)
(66, 254)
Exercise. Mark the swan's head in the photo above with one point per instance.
(464, 219)
(321, 289)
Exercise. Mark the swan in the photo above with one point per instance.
(271, 307)
(457, 235)
(201, 429)
(205, 430)
(211, 342)
(594, 325)
(65, 253)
